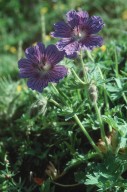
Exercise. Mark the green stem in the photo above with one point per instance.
(43, 27)
(77, 77)
(20, 50)
(103, 135)
(83, 68)
(63, 96)
(62, 185)
(87, 134)
(124, 96)
(105, 94)
(116, 65)
(55, 103)
(104, 88)
(55, 89)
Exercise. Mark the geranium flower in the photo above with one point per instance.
(78, 32)
(41, 66)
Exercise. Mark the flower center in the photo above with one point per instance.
(43, 67)
(78, 33)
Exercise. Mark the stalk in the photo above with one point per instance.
(103, 135)
(87, 134)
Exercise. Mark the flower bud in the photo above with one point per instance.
(38, 108)
(51, 171)
(86, 70)
(93, 93)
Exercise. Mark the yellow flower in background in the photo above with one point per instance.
(19, 88)
(124, 15)
(103, 48)
(43, 10)
(12, 49)
(47, 38)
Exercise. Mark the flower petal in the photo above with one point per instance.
(72, 18)
(28, 72)
(53, 55)
(91, 42)
(63, 42)
(31, 54)
(71, 49)
(24, 63)
(94, 25)
(27, 68)
(35, 53)
(37, 84)
(83, 17)
(41, 48)
(71, 15)
(62, 30)
(57, 73)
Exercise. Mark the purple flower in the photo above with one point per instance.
(79, 32)
(41, 66)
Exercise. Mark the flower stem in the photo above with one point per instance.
(103, 135)
(124, 96)
(116, 65)
(76, 76)
(104, 88)
(55, 103)
(62, 185)
(43, 27)
(105, 95)
(87, 134)
(54, 87)
(83, 68)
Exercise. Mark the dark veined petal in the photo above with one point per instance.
(37, 84)
(35, 53)
(71, 15)
(72, 56)
(83, 14)
(31, 54)
(41, 48)
(94, 25)
(53, 55)
(91, 42)
(72, 18)
(71, 49)
(62, 30)
(63, 42)
(27, 68)
(24, 63)
(83, 17)
(28, 72)
(57, 73)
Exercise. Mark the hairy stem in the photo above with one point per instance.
(103, 135)
(87, 134)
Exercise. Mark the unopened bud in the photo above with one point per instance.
(93, 93)
(92, 88)
(86, 70)
(51, 171)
